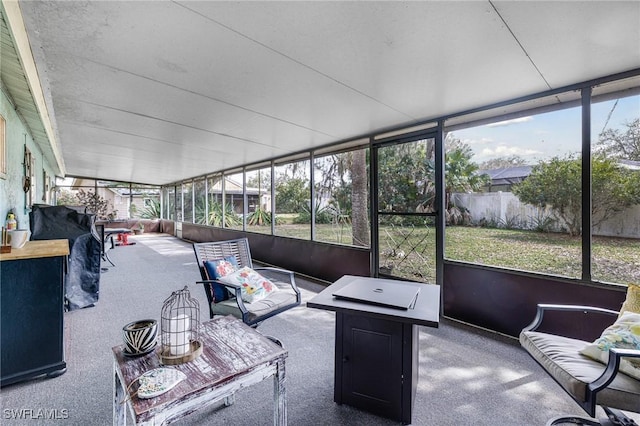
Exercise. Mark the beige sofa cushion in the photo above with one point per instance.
(273, 301)
(561, 358)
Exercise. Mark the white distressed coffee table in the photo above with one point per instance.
(234, 356)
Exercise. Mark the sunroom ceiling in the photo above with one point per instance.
(154, 92)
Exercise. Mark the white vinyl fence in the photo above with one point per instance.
(505, 210)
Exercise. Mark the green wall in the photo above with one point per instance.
(17, 134)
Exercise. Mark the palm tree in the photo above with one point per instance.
(152, 210)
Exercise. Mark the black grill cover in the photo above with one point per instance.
(82, 282)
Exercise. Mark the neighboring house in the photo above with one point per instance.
(233, 191)
(630, 164)
(133, 202)
(504, 178)
(496, 203)
(120, 199)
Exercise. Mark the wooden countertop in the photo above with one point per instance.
(36, 249)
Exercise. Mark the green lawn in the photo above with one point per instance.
(614, 259)
(410, 252)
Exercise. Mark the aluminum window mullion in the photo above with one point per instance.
(312, 194)
(273, 199)
(586, 185)
(373, 200)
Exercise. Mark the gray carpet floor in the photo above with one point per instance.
(466, 376)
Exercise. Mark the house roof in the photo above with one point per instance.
(516, 174)
(630, 164)
(507, 175)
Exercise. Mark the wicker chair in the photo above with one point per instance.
(587, 381)
(287, 296)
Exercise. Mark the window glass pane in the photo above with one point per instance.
(259, 200)
(171, 203)
(113, 195)
(615, 184)
(406, 177)
(200, 203)
(513, 192)
(215, 201)
(163, 202)
(341, 198)
(293, 206)
(187, 202)
(144, 201)
(412, 189)
(234, 201)
(407, 247)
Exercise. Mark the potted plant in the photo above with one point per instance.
(140, 229)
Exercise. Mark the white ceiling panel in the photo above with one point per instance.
(376, 48)
(576, 41)
(158, 91)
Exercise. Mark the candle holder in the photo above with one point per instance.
(179, 329)
(5, 247)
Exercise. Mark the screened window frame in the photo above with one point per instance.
(565, 96)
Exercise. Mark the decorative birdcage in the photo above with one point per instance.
(179, 328)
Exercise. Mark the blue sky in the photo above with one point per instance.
(543, 136)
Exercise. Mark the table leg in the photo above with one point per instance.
(280, 395)
(119, 408)
(230, 400)
(103, 243)
(107, 258)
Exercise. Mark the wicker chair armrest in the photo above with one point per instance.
(234, 289)
(276, 271)
(543, 307)
(284, 273)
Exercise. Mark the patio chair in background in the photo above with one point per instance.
(234, 287)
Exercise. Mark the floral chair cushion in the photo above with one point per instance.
(632, 302)
(254, 285)
(217, 269)
(623, 334)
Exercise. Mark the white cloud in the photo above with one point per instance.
(505, 151)
(481, 141)
(509, 122)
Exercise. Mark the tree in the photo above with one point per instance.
(152, 210)
(617, 144)
(66, 198)
(503, 162)
(342, 184)
(613, 188)
(292, 195)
(557, 184)
(404, 174)
(333, 178)
(95, 204)
(359, 198)
(461, 175)
(407, 177)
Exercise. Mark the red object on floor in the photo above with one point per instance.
(124, 238)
